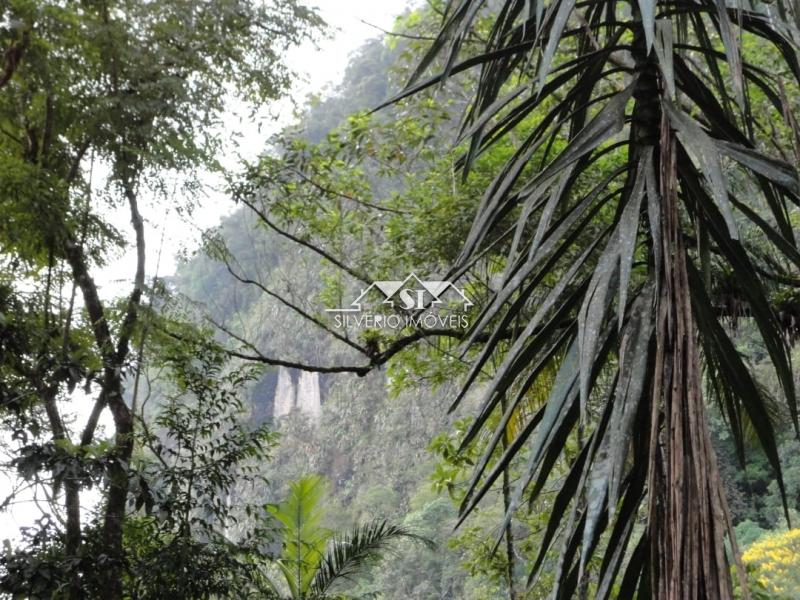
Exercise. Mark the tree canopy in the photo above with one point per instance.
(612, 185)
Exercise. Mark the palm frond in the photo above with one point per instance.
(350, 554)
(629, 121)
(303, 538)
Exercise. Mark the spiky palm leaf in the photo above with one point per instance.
(349, 554)
(303, 538)
(622, 187)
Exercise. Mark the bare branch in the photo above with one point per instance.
(406, 36)
(377, 359)
(324, 254)
(295, 308)
(94, 307)
(13, 56)
(94, 418)
(110, 392)
(266, 360)
(76, 162)
(132, 309)
(326, 190)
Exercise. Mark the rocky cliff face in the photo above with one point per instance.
(297, 391)
(285, 395)
(309, 398)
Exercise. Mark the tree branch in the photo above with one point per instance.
(94, 307)
(13, 56)
(326, 190)
(295, 308)
(135, 298)
(377, 359)
(405, 36)
(110, 392)
(323, 253)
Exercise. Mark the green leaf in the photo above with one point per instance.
(704, 153)
(303, 538)
(348, 555)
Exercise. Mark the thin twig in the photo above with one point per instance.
(406, 36)
(324, 254)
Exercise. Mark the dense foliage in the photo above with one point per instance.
(101, 103)
(613, 235)
(612, 184)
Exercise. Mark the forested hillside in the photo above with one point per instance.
(382, 442)
(371, 441)
(510, 311)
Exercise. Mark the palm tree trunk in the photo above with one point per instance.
(686, 511)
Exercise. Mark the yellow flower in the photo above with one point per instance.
(775, 560)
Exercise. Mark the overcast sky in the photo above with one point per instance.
(318, 69)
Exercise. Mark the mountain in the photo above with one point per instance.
(370, 444)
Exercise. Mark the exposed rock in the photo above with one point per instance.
(302, 393)
(285, 394)
(308, 395)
